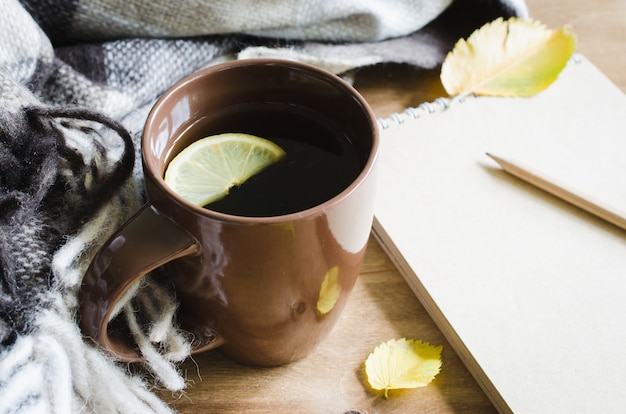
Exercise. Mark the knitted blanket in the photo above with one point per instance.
(77, 78)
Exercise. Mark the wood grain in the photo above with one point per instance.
(331, 380)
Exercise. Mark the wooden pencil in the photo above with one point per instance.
(607, 213)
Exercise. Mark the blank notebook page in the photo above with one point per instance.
(530, 291)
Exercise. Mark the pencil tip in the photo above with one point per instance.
(497, 159)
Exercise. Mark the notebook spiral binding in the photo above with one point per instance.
(425, 108)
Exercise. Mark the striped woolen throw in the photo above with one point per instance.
(77, 78)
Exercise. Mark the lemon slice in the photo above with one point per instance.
(206, 170)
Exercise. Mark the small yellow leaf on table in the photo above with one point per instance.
(402, 363)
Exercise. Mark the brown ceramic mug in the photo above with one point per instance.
(266, 289)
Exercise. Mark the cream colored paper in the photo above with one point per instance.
(530, 290)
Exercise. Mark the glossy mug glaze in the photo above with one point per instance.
(265, 290)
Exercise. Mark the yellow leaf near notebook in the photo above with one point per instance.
(402, 363)
(514, 57)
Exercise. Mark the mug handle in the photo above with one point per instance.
(145, 242)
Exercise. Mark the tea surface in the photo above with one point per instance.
(320, 160)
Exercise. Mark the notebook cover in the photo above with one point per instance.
(529, 290)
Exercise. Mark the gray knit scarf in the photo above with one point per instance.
(77, 78)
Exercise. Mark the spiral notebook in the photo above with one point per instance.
(528, 289)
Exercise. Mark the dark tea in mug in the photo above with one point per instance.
(320, 160)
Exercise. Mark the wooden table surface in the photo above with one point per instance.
(382, 307)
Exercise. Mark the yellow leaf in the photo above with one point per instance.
(402, 363)
(515, 57)
(329, 291)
